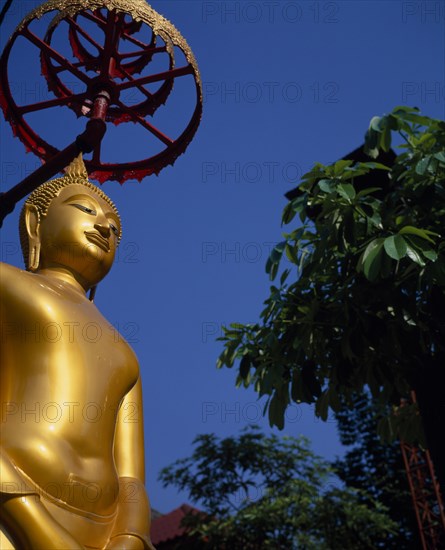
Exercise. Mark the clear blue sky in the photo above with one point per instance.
(286, 84)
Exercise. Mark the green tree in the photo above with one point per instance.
(377, 468)
(365, 305)
(261, 492)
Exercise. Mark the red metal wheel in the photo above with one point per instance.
(105, 70)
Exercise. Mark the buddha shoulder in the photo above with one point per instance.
(18, 286)
(16, 290)
(12, 278)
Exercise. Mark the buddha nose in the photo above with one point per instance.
(104, 230)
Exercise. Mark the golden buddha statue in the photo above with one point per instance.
(72, 456)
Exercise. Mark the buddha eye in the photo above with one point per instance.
(114, 229)
(84, 208)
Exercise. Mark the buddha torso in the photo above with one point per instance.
(64, 372)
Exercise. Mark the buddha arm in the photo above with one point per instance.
(133, 519)
(24, 517)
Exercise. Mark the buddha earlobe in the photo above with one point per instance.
(34, 257)
(32, 220)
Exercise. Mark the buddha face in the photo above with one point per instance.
(79, 233)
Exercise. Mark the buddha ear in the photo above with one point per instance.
(32, 222)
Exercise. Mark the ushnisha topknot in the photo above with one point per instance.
(75, 174)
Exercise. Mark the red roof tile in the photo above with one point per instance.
(168, 526)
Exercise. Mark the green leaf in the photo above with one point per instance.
(422, 233)
(392, 122)
(236, 326)
(346, 190)
(385, 141)
(294, 235)
(430, 254)
(395, 247)
(422, 165)
(376, 166)
(284, 276)
(426, 140)
(267, 380)
(373, 152)
(299, 203)
(277, 252)
(340, 166)
(371, 143)
(244, 366)
(375, 123)
(276, 411)
(296, 205)
(432, 166)
(273, 272)
(423, 247)
(415, 255)
(288, 214)
(322, 406)
(327, 186)
(417, 119)
(402, 109)
(372, 258)
(291, 253)
(368, 191)
(440, 157)
(376, 220)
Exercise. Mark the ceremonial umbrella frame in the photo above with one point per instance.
(104, 72)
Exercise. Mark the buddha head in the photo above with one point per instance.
(70, 224)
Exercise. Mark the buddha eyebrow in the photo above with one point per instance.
(88, 198)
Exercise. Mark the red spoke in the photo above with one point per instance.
(136, 118)
(92, 17)
(50, 103)
(109, 43)
(52, 53)
(141, 88)
(135, 41)
(142, 53)
(59, 69)
(118, 31)
(79, 29)
(173, 73)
